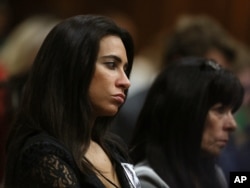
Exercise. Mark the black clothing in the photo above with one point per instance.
(44, 162)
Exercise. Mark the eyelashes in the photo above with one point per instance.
(111, 65)
(114, 65)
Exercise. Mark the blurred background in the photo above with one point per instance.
(25, 23)
(150, 16)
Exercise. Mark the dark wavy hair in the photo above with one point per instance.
(170, 126)
(55, 98)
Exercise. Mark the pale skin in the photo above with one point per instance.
(107, 94)
(219, 124)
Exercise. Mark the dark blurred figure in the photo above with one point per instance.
(203, 37)
(190, 36)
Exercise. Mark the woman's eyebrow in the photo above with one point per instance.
(118, 59)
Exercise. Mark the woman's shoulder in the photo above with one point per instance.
(148, 177)
(43, 143)
(221, 176)
(41, 146)
(44, 161)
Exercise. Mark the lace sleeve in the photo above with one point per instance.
(53, 172)
(45, 164)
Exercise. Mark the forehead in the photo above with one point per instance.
(112, 45)
(109, 42)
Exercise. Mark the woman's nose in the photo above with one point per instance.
(123, 81)
(231, 123)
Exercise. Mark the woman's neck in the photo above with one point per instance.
(103, 168)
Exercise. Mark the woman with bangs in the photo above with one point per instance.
(184, 124)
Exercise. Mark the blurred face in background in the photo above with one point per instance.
(244, 76)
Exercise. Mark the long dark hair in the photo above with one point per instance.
(170, 126)
(55, 98)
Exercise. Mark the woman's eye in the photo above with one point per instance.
(221, 109)
(111, 65)
(125, 68)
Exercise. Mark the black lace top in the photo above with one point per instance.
(44, 162)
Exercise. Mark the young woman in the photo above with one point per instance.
(184, 124)
(78, 82)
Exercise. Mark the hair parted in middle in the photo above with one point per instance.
(55, 98)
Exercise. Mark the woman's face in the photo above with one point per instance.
(219, 123)
(109, 83)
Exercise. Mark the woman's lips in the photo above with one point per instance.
(120, 98)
